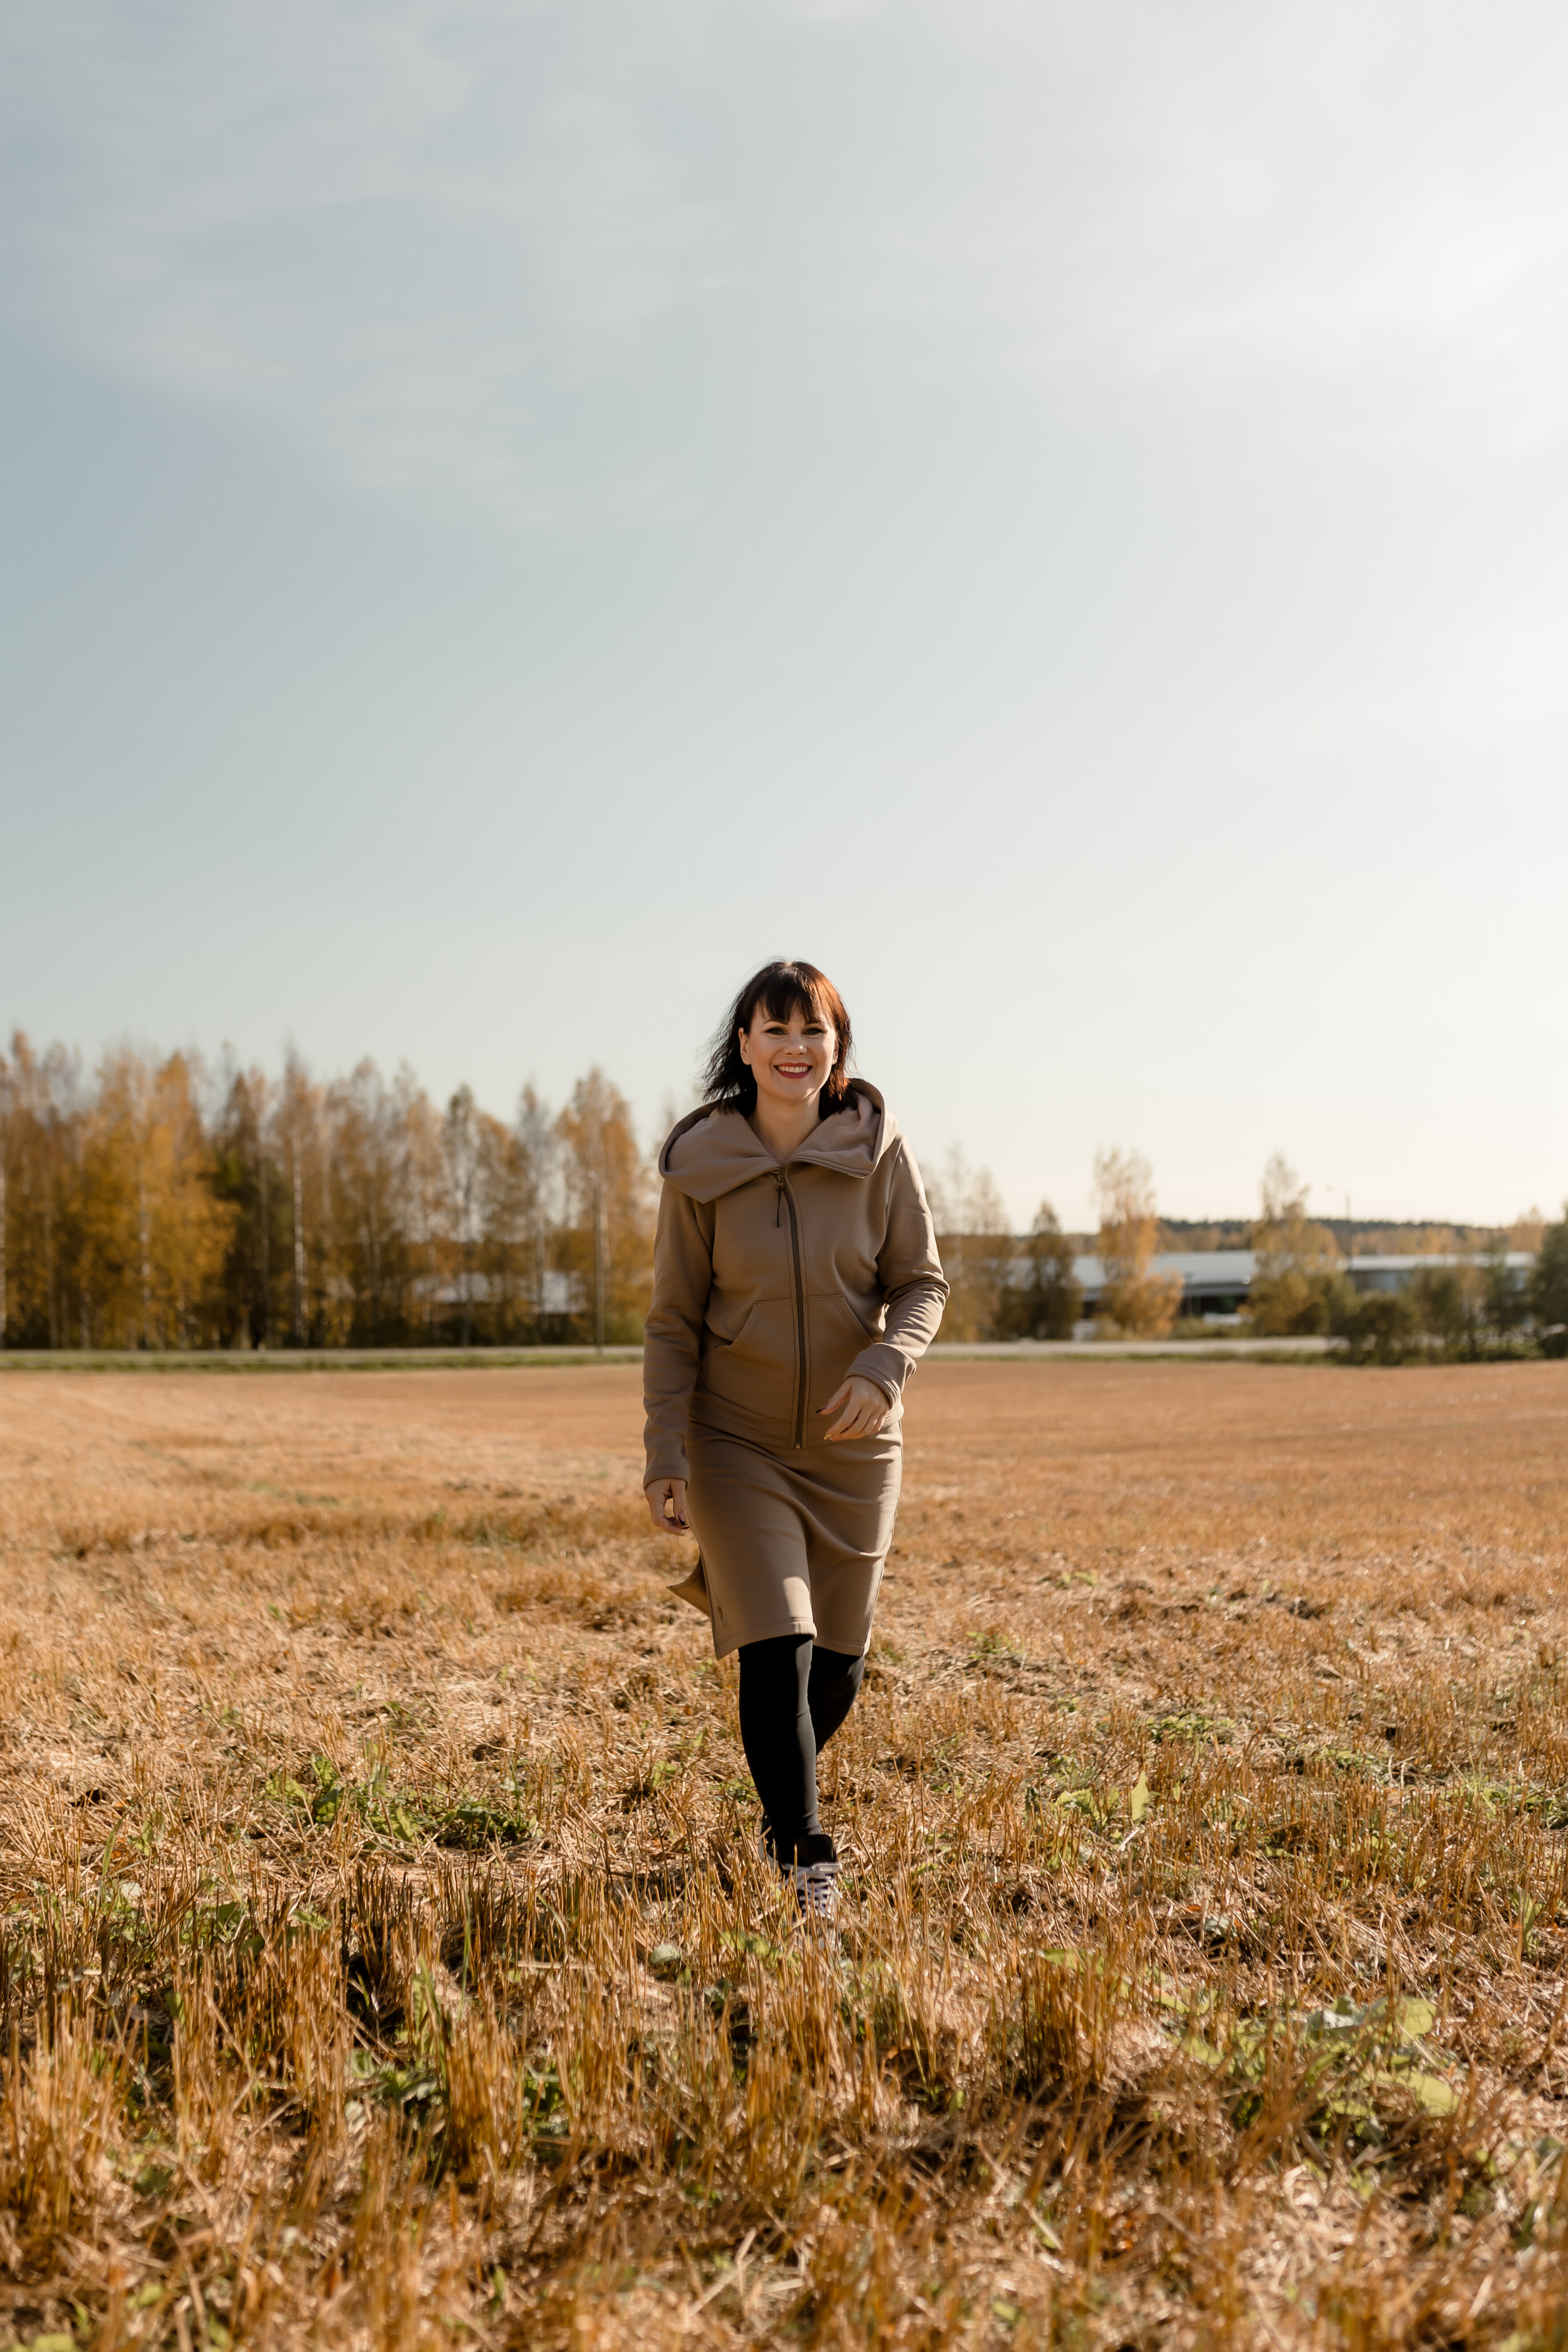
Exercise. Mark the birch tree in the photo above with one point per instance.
(976, 1249)
(460, 1153)
(42, 1232)
(1136, 1298)
(608, 1200)
(153, 1233)
(1045, 1303)
(300, 1148)
(6, 1091)
(1294, 1286)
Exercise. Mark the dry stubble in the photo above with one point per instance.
(385, 1958)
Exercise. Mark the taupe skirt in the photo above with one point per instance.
(791, 1543)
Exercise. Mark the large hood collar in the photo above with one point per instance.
(714, 1150)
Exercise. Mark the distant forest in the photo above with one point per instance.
(1391, 1237)
(155, 1204)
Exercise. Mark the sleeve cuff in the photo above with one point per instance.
(673, 1465)
(888, 1365)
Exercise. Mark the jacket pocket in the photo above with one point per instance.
(836, 1337)
(755, 1371)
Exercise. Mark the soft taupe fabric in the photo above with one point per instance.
(791, 1543)
(772, 1284)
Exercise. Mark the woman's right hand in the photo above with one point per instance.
(666, 1505)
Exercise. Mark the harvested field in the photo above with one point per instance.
(386, 1959)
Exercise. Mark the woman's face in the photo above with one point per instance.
(791, 1059)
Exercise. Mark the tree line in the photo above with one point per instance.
(1007, 1286)
(155, 1205)
(1462, 1305)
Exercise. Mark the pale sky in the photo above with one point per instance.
(512, 514)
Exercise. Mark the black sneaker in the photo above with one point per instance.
(816, 1891)
(813, 1873)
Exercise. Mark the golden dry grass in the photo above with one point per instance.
(386, 1961)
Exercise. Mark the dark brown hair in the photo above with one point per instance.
(778, 990)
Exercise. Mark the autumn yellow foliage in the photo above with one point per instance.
(156, 1205)
(1136, 1299)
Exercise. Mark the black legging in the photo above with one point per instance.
(794, 1697)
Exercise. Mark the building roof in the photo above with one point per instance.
(1199, 1269)
(1518, 1259)
(1232, 1270)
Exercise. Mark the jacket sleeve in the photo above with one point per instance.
(672, 1335)
(912, 1283)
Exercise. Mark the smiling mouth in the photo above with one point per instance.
(793, 1069)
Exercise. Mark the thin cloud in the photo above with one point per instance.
(390, 231)
(1361, 215)
(409, 235)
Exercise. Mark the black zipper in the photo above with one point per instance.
(788, 1199)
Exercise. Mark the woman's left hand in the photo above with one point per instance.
(866, 1408)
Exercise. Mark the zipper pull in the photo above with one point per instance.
(778, 1199)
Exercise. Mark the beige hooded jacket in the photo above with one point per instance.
(773, 1283)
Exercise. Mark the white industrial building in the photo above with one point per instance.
(1395, 1273)
(1215, 1283)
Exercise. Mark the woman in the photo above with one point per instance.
(796, 1284)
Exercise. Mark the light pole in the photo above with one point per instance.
(1350, 1229)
